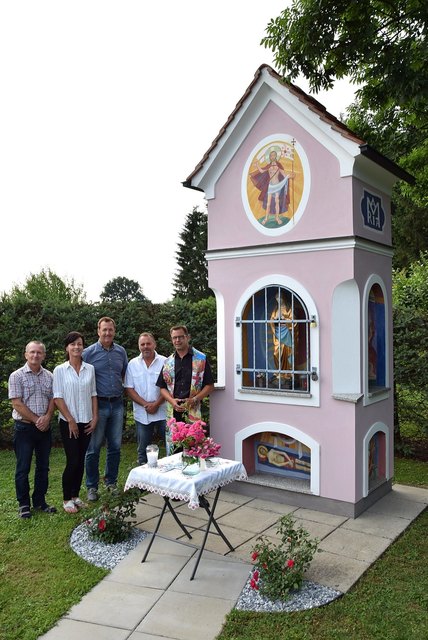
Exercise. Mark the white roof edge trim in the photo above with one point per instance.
(343, 149)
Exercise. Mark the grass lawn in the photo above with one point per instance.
(41, 577)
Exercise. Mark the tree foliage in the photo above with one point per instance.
(191, 280)
(397, 137)
(379, 44)
(47, 287)
(410, 307)
(122, 289)
(25, 320)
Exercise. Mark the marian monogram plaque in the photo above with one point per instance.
(372, 211)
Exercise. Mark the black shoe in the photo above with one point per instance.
(46, 508)
(24, 512)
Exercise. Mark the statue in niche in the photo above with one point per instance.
(281, 326)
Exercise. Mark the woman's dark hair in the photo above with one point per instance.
(72, 337)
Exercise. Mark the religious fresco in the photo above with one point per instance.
(377, 454)
(282, 455)
(376, 338)
(275, 183)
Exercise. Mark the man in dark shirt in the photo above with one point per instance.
(110, 362)
(186, 378)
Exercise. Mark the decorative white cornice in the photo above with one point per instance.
(329, 244)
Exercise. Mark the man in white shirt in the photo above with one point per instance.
(140, 384)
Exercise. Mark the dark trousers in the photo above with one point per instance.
(75, 451)
(27, 439)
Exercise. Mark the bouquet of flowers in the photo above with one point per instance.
(192, 438)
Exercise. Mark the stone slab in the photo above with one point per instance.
(249, 519)
(108, 605)
(400, 504)
(273, 507)
(320, 516)
(378, 524)
(215, 577)
(74, 630)
(416, 494)
(157, 572)
(180, 617)
(337, 572)
(355, 544)
(216, 543)
(232, 496)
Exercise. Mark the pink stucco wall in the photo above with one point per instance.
(332, 213)
(336, 425)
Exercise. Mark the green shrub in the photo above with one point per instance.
(112, 521)
(280, 568)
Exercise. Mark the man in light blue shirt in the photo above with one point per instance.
(110, 362)
(140, 384)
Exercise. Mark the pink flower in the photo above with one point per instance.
(102, 525)
(254, 555)
(290, 563)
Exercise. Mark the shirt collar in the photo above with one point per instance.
(27, 369)
(100, 346)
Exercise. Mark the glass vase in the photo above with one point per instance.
(190, 464)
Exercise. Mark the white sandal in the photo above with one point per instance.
(70, 507)
(79, 503)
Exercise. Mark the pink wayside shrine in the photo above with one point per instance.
(299, 258)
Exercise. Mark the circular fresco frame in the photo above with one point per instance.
(276, 184)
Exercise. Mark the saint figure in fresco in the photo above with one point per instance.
(281, 325)
(274, 185)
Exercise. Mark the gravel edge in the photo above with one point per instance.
(107, 556)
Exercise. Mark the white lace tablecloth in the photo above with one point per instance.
(167, 479)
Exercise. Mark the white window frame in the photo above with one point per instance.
(272, 395)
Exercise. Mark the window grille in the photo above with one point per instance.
(275, 341)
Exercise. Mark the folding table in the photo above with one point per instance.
(169, 481)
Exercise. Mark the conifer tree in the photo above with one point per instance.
(191, 279)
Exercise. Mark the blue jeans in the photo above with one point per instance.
(109, 427)
(145, 433)
(26, 440)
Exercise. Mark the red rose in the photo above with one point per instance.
(253, 584)
(102, 525)
(290, 563)
(256, 575)
(254, 555)
(264, 565)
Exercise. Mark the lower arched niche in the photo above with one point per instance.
(375, 457)
(280, 450)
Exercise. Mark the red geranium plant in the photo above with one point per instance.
(279, 568)
(111, 522)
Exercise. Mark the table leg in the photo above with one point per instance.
(165, 505)
(211, 520)
(177, 519)
(206, 505)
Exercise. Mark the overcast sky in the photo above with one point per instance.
(106, 107)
